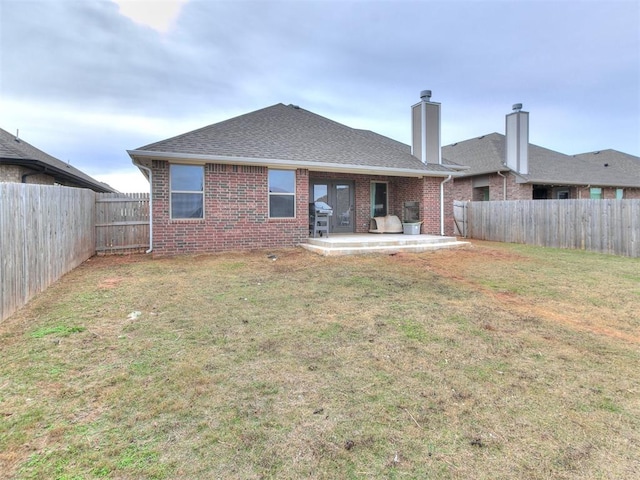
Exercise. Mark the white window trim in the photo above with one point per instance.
(201, 192)
(294, 195)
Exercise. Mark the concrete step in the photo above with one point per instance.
(381, 248)
(372, 240)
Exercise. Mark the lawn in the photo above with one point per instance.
(493, 361)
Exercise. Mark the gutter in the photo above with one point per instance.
(24, 176)
(190, 158)
(448, 179)
(148, 170)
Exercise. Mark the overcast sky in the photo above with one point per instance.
(86, 80)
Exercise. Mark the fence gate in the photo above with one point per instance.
(122, 222)
(460, 216)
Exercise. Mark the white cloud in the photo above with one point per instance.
(127, 181)
(157, 14)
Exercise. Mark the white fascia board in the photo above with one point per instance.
(191, 158)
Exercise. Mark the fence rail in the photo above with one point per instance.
(605, 226)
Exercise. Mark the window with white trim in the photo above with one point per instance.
(187, 191)
(282, 193)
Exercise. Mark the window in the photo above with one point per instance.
(595, 193)
(282, 193)
(481, 194)
(619, 193)
(187, 191)
(379, 205)
(540, 193)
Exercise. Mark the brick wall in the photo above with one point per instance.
(608, 193)
(426, 191)
(515, 191)
(463, 189)
(14, 173)
(236, 207)
(631, 193)
(11, 173)
(236, 213)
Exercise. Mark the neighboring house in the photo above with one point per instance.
(508, 167)
(21, 162)
(247, 182)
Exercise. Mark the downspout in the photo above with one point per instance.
(504, 186)
(25, 175)
(448, 179)
(148, 170)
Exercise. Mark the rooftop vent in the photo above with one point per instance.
(425, 95)
(517, 107)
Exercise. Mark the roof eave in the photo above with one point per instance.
(280, 163)
(487, 172)
(58, 173)
(595, 183)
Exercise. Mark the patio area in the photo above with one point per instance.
(363, 243)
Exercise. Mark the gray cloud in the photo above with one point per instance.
(575, 66)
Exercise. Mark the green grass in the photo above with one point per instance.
(58, 330)
(499, 361)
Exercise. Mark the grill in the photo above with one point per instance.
(319, 213)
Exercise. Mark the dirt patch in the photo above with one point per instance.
(109, 283)
(458, 265)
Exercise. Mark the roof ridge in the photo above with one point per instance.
(206, 127)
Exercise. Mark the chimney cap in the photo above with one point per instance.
(517, 107)
(425, 95)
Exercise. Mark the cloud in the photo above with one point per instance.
(157, 14)
(126, 181)
(93, 83)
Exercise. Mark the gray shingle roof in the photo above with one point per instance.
(290, 133)
(486, 154)
(18, 152)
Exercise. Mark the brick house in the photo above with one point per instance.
(508, 167)
(247, 182)
(21, 162)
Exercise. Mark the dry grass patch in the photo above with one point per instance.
(497, 361)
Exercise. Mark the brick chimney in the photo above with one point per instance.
(425, 129)
(517, 140)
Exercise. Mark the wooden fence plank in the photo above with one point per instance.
(45, 231)
(606, 226)
(122, 222)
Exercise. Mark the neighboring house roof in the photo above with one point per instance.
(15, 151)
(282, 135)
(486, 154)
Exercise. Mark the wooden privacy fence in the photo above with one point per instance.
(45, 232)
(605, 226)
(122, 222)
